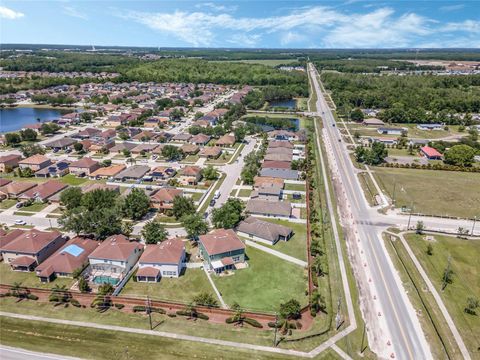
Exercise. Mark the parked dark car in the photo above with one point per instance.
(212, 202)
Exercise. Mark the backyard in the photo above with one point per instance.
(464, 255)
(267, 282)
(432, 192)
(29, 279)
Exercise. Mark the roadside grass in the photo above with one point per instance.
(29, 279)
(264, 284)
(368, 188)
(73, 180)
(7, 203)
(190, 159)
(183, 288)
(432, 192)
(166, 219)
(465, 255)
(432, 321)
(23, 213)
(297, 245)
(93, 343)
(205, 205)
(244, 192)
(295, 187)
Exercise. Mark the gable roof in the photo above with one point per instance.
(109, 170)
(45, 190)
(263, 229)
(166, 194)
(279, 208)
(36, 159)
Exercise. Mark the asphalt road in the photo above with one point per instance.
(407, 340)
(10, 353)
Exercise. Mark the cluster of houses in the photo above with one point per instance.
(63, 74)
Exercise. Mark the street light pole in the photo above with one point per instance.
(410, 216)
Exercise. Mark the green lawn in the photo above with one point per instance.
(190, 159)
(29, 279)
(23, 213)
(194, 195)
(465, 255)
(267, 282)
(73, 180)
(297, 245)
(182, 289)
(7, 203)
(35, 207)
(432, 192)
(292, 200)
(244, 192)
(295, 187)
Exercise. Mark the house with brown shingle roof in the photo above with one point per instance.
(263, 231)
(6, 238)
(163, 198)
(211, 152)
(165, 259)
(264, 180)
(31, 248)
(190, 149)
(277, 156)
(13, 189)
(35, 162)
(190, 175)
(226, 140)
(221, 250)
(200, 139)
(113, 259)
(9, 162)
(278, 209)
(43, 191)
(84, 166)
(70, 257)
(107, 172)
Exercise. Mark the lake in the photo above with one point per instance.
(13, 119)
(290, 103)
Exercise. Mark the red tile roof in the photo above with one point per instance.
(221, 241)
(430, 152)
(148, 271)
(115, 247)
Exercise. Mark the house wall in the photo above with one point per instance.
(39, 257)
(167, 270)
(35, 167)
(233, 254)
(256, 238)
(118, 266)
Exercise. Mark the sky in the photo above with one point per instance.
(243, 24)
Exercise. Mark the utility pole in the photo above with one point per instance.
(149, 311)
(410, 216)
(363, 338)
(275, 334)
(394, 188)
(473, 226)
(338, 317)
(447, 273)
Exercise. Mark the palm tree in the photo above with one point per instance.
(238, 317)
(60, 295)
(317, 266)
(16, 289)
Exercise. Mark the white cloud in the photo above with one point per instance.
(6, 13)
(216, 7)
(448, 8)
(381, 27)
(74, 12)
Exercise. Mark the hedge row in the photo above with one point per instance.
(249, 321)
(139, 308)
(188, 313)
(432, 167)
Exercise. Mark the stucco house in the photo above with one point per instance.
(221, 250)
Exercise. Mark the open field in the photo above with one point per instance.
(413, 131)
(182, 289)
(267, 282)
(465, 282)
(432, 192)
(29, 279)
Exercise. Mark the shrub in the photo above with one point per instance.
(172, 315)
(313, 312)
(202, 316)
(138, 308)
(75, 303)
(229, 320)
(119, 306)
(253, 322)
(272, 324)
(32, 297)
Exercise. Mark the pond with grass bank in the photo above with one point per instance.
(13, 119)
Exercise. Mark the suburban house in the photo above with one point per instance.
(135, 172)
(283, 135)
(278, 157)
(6, 238)
(199, 139)
(107, 172)
(271, 192)
(113, 259)
(391, 131)
(43, 191)
(430, 153)
(35, 162)
(211, 152)
(120, 147)
(31, 248)
(263, 231)
(69, 258)
(280, 144)
(418, 142)
(190, 175)
(221, 250)
(13, 189)
(163, 198)
(372, 122)
(84, 166)
(269, 208)
(182, 137)
(165, 259)
(162, 173)
(286, 174)
(226, 140)
(87, 133)
(144, 148)
(99, 186)
(264, 180)
(189, 149)
(9, 162)
(61, 144)
(58, 169)
(430, 126)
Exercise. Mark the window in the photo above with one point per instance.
(236, 258)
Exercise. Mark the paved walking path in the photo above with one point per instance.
(224, 305)
(276, 253)
(436, 296)
(340, 352)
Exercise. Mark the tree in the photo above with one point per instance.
(136, 204)
(83, 285)
(176, 114)
(194, 225)
(472, 305)
(28, 135)
(317, 266)
(290, 310)
(32, 149)
(172, 153)
(429, 249)
(182, 206)
(78, 147)
(127, 228)
(205, 299)
(71, 197)
(99, 198)
(73, 220)
(460, 155)
(210, 173)
(49, 128)
(318, 302)
(229, 214)
(357, 115)
(12, 139)
(420, 227)
(240, 132)
(86, 116)
(154, 232)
